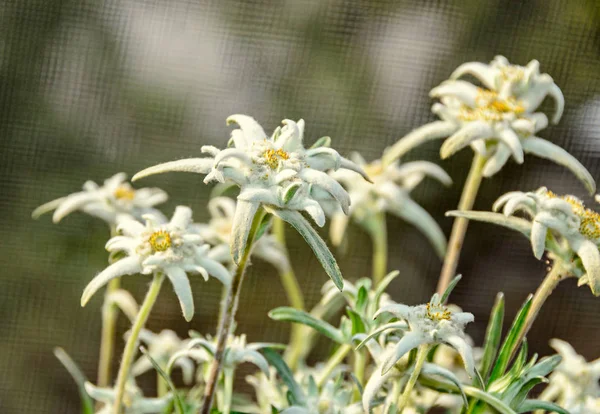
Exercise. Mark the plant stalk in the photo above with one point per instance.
(360, 361)
(132, 341)
(552, 279)
(412, 380)
(335, 360)
(228, 317)
(376, 226)
(459, 227)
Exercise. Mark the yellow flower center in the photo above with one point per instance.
(512, 73)
(373, 170)
(437, 312)
(160, 240)
(274, 156)
(589, 226)
(490, 107)
(124, 192)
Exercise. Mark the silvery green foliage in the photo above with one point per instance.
(109, 202)
(575, 383)
(498, 121)
(333, 397)
(169, 248)
(561, 225)
(134, 401)
(277, 173)
(217, 233)
(389, 192)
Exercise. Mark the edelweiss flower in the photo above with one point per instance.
(334, 397)
(431, 323)
(108, 202)
(134, 401)
(169, 248)
(274, 172)
(497, 122)
(390, 193)
(161, 347)
(575, 383)
(217, 233)
(560, 224)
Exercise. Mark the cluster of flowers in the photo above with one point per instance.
(389, 357)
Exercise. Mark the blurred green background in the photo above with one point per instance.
(88, 89)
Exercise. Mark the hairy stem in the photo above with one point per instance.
(228, 317)
(552, 279)
(295, 297)
(377, 229)
(459, 228)
(421, 357)
(335, 360)
(132, 341)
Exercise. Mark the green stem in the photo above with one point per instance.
(295, 297)
(421, 357)
(552, 279)
(161, 385)
(227, 390)
(109, 325)
(132, 341)
(377, 229)
(228, 317)
(360, 361)
(335, 360)
(459, 228)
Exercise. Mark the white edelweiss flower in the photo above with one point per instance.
(496, 122)
(170, 248)
(218, 232)
(431, 323)
(161, 347)
(333, 397)
(108, 202)
(134, 401)
(575, 229)
(277, 173)
(575, 383)
(389, 192)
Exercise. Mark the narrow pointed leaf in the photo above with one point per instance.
(432, 369)
(510, 342)
(315, 241)
(513, 223)
(493, 335)
(450, 288)
(358, 325)
(87, 405)
(533, 405)
(163, 374)
(297, 316)
(286, 375)
(322, 142)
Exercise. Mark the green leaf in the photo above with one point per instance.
(432, 369)
(516, 400)
(514, 223)
(358, 325)
(492, 336)
(510, 342)
(264, 225)
(290, 191)
(533, 405)
(87, 404)
(392, 325)
(322, 142)
(315, 241)
(450, 288)
(163, 374)
(361, 299)
(382, 286)
(288, 314)
(295, 393)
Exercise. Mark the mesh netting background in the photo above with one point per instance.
(89, 88)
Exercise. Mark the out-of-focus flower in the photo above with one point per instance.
(218, 232)
(274, 172)
(561, 225)
(134, 401)
(431, 323)
(496, 122)
(389, 192)
(161, 347)
(108, 202)
(575, 383)
(169, 248)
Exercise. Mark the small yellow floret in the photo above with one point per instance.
(160, 240)
(124, 192)
(438, 312)
(490, 107)
(274, 156)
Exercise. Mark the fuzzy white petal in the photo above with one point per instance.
(126, 266)
(183, 290)
(194, 165)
